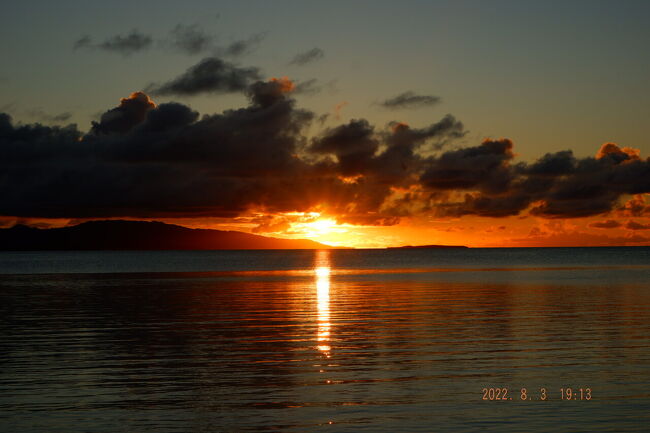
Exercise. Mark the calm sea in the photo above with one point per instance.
(477, 340)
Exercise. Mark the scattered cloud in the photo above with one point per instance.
(210, 75)
(191, 39)
(83, 42)
(309, 87)
(633, 225)
(126, 45)
(187, 39)
(243, 46)
(609, 224)
(306, 57)
(409, 100)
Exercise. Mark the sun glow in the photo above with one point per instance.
(322, 226)
(321, 229)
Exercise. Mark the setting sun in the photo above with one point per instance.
(322, 226)
(321, 229)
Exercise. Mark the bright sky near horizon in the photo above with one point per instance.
(548, 75)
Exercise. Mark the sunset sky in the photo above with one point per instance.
(363, 124)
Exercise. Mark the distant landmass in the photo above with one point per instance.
(409, 247)
(139, 235)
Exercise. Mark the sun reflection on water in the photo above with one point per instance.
(322, 272)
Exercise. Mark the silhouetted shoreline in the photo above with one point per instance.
(140, 235)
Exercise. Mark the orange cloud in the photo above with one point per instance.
(614, 150)
(286, 85)
(141, 97)
(634, 206)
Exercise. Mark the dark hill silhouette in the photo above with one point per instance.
(415, 247)
(139, 235)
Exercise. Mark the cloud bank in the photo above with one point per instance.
(146, 160)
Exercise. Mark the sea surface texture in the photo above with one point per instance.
(467, 340)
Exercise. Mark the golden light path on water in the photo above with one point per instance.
(322, 273)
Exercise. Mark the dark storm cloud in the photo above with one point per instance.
(437, 134)
(401, 159)
(210, 75)
(485, 205)
(553, 164)
(191, 39)
(356, 144)
(373, 163)
(126, 45)
(309, 56)
(595, 185)
(353, 144)
(168, 163)
(485, 168)
(144, 160)
(32, 143)
(555, 186)
(131, 112)
(410, 100)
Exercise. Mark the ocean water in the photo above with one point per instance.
(477, 340)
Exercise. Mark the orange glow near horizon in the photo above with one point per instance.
(321, 229)
(629, 224)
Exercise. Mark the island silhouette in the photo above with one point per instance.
(139, 235)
